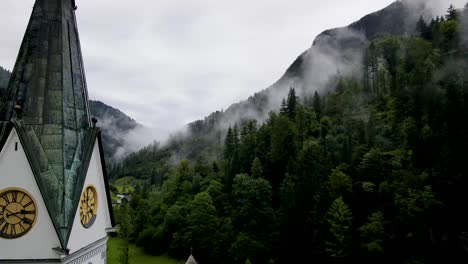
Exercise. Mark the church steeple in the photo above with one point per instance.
(48, 83)
(48, 80)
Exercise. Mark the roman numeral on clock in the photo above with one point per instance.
(14, 196)
(27, 221)
(4, 229)
(28, 204)
(22, 228)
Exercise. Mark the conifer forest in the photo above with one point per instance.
(373, 169)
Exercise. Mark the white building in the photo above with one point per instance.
(191, 260)
(55, 204)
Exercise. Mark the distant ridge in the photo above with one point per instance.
(115, 126)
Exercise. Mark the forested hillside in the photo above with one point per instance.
(339, 50)
(370, 168)
(334, 52)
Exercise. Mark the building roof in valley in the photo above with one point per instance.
(191, 260)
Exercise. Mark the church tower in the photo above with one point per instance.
(54, 196)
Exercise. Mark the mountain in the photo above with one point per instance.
(371, 169)
(335, 54)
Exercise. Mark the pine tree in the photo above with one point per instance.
(452, 13)
(365, 68)
(317, 104)
(421, 28)
(339, 183)
(374, 66)
(247, 146)
(229, 145)
(284, 107)
(244, 132)
(201, 222)
(231, 156)
(292, 102)
(339, 218)
(252, 126)
(390, 52)
(235, 135)
(373, 232)
(257, 171)
(234, 161)
(125, 232)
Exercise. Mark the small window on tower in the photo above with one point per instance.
(16, 146)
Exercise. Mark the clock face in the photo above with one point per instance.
(17, 213)
(88, 206)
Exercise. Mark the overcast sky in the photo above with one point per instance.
(169, 62)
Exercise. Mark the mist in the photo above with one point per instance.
(334, 54)
(432, 8)
(121, 134)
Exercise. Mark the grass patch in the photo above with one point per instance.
(137, 256)
(114, 197)
(127, 184)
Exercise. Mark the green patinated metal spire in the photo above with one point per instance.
(48, 82)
